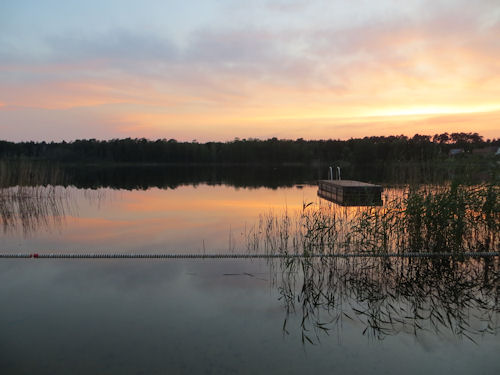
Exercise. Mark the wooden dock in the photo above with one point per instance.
(350, 193)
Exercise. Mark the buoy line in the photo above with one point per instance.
(480, 254)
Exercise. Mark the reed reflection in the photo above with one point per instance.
(390, 296)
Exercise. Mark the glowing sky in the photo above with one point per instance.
(219, 69)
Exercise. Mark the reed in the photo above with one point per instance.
(453, 218)
(29, 197)
(32, 207)
(456, 218)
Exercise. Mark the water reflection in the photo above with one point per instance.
(187, 219)
(145, 176)
(33, 208)
(390, 296)
(155, 316)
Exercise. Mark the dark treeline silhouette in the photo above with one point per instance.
(249, 151)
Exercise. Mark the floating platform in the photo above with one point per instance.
(350, 193)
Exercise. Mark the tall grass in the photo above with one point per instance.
(29, 198)
(456, 218)
(32, 207)
(453, 218)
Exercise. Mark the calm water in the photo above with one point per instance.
(225, 316)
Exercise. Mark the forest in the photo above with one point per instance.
(251, 151)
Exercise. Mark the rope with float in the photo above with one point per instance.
(108, 255)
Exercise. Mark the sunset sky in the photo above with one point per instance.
(220, 69)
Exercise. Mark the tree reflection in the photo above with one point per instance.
(390, 296)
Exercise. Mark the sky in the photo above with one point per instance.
(214, 70)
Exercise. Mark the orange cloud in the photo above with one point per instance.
(306, 125)
(320, 81)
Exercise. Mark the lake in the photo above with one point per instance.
(223, 316)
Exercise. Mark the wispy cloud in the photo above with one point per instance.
(62, 124)
(115, 46)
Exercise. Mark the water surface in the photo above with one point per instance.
(226, 316)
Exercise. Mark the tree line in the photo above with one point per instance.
(249, 151)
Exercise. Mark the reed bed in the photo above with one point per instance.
(453, 218)
(32, 207)
(29, 197)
